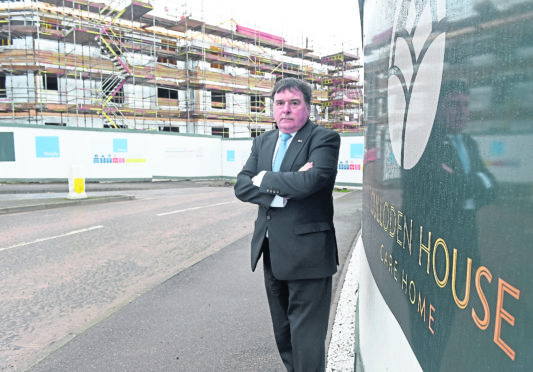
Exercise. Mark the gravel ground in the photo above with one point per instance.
(341, 352)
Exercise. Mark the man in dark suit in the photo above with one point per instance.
(294, 228)
(444, 193)
(466, 184)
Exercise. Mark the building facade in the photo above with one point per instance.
(121, 65)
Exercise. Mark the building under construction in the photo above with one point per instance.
(88, 64)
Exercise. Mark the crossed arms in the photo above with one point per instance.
(315, 168)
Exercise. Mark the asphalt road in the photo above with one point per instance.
(98, 271)
(64, 269)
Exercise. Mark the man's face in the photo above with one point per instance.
(456, 112)
(290, 110)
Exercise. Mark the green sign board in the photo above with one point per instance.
(448, 177)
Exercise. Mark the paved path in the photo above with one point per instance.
(210, 317)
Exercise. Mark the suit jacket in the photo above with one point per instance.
(467, 185)
(443, 186)
(301, 235)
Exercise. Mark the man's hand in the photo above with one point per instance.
(306, 167)
(258, 178)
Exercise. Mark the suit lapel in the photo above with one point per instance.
(452, 158)
(269, 145)
(296, 146)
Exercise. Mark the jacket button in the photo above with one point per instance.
(268, 217)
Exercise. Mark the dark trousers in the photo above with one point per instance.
(300, 316)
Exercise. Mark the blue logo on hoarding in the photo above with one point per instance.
(47, 146)
(120, 145)
(357, 150)
(496, 148)
(230, 155)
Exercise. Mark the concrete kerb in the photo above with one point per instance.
(338, 289)
(25, 205)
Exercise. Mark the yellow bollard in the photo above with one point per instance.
(76, 184)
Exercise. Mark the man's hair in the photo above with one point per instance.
(293, 84)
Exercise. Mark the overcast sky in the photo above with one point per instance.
(329, 28)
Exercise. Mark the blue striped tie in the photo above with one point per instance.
(281, 151)
(461, 151)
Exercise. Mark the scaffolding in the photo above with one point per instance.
(119, 65)
(343, 107)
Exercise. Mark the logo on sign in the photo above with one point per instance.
(415, 73)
